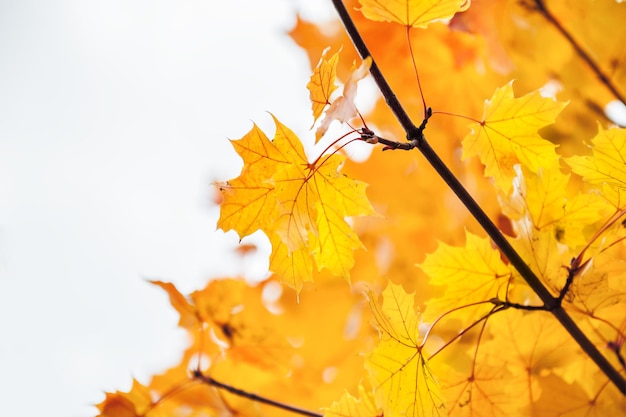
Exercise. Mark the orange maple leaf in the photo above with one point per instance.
(412, 13)
(349, 405)
(137, 402)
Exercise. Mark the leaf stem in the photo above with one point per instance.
(198, 375)
(415, 134)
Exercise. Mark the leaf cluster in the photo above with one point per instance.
(491, 283)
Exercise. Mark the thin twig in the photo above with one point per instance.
(198, 375)
(604, 79)
(414, 133)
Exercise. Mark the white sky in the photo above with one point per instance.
(114, 119)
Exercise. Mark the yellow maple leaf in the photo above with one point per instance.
(543, 201)
(322, 83)
(471, 274)
(300, 205)
(399, 371)
(249, 201)
(607, 165)
(412, 13)
(350, 406)
(343, 108)
(507, 135)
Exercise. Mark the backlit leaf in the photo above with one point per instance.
(470, 274)
(507, 135)
(400, 374)
(412, 13)
(322, 83)
(300, 205)
(608, 163)
(350, 406)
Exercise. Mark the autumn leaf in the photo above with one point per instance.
(544, 201)
(301, 206)
(507, 135)
(135, 403)
(322, 83)
(412, 13)
(471, 274)
(399, 371)
(351, 406)
(608, 163)
(547, 220)
(537, 343)
(490, 389)
(188, 315)
(294, 267)
(249, 201)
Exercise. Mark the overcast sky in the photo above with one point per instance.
(114, 120)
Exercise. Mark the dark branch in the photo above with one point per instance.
(390, 97)
(198, 375)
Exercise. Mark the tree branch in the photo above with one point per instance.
(199, 376)
(414, 133)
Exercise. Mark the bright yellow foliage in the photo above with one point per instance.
(608, 163)
(300, 206)
(472, 274)
(412, 13)
(402, 379)
(507, 135)
(356, 407)
(322, 84)
(436, 320)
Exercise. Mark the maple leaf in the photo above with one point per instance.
(322, 83)
(608, 163)
(397, 367)
(351, 406)
(134, 403)
(249, 201)
(188, 315)
(535, 344)
(300, 206)
(543, 201)
(490, 389)
(412, 13)
(507, 135)
(471, 274)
